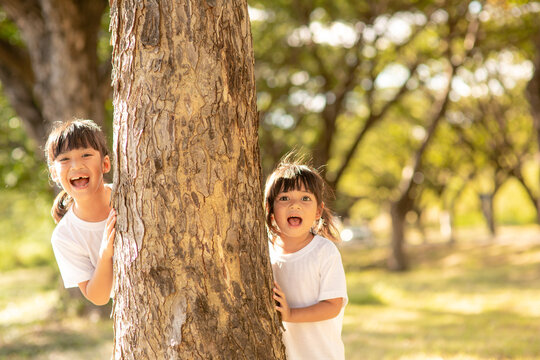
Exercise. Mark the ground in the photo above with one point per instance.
(478, 299)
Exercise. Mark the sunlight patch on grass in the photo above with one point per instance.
(477, 300)
(35, 308)
(423, 356)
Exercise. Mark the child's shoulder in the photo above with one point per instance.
(325, 245)
(62, 230)
(324, 242)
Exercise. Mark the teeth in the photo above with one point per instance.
(80, 177)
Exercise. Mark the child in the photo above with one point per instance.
(310, 289)
(83, 239)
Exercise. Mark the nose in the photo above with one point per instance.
(295, 204)
(76, 163)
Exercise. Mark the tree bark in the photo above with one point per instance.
(57, 75)
(193, 279)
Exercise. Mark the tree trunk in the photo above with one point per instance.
(486, 202)
(193, 278)
(398, 260)
(533, 95)
(57, 75)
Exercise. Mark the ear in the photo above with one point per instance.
(54, 175)
(106, 164)
(320, 210)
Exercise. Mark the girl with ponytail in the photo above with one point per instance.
(82, 241)
(310, 288)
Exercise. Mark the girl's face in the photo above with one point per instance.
(80, 171)
(295, 212)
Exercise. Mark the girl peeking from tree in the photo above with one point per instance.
(82, 241)
(310, 288)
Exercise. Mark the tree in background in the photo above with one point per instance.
(348, 80)
(191, 256)
(323, 91)
(533, 94)
(395, 66)
(49, 64)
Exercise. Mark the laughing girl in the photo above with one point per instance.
(83, 238)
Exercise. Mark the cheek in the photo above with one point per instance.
(278, 213)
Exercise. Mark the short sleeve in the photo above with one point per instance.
(333, 283)
(73, 261)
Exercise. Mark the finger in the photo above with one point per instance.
(277, 291)
(278, 287)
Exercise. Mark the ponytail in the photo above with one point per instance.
(61, 205)
(326, 226)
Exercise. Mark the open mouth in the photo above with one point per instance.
(80, 181)
(294, 220)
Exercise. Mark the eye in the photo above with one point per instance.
(87, 154)
(62, 158)
(306, 198)
(283, 198)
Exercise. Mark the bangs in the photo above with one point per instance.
(71, 140)
(76, 135)
(298, 178)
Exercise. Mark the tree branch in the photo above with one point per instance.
(370, 122)
(21, 98)
(26, 14)
(17, 60)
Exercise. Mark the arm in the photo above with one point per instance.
(323, 310)
(98, 288)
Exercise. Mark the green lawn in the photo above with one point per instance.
(475, 300)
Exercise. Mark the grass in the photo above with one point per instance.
(475, 300)
(26, 229)
(31, 326)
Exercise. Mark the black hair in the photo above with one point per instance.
(70, 135)
(291, 174)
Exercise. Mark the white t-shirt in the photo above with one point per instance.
(308, 276)
(77, 244)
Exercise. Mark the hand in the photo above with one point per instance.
(109, 234)
(282, 306)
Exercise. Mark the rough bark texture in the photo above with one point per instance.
(193, 279)
(57, 75)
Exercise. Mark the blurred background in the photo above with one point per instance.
(424, 117)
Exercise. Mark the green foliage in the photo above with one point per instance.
(512, 206)
(20, 166)
(299, 79)
(26, 229)
(8, 30)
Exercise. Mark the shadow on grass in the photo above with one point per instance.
(424, 334)
(41, 339)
